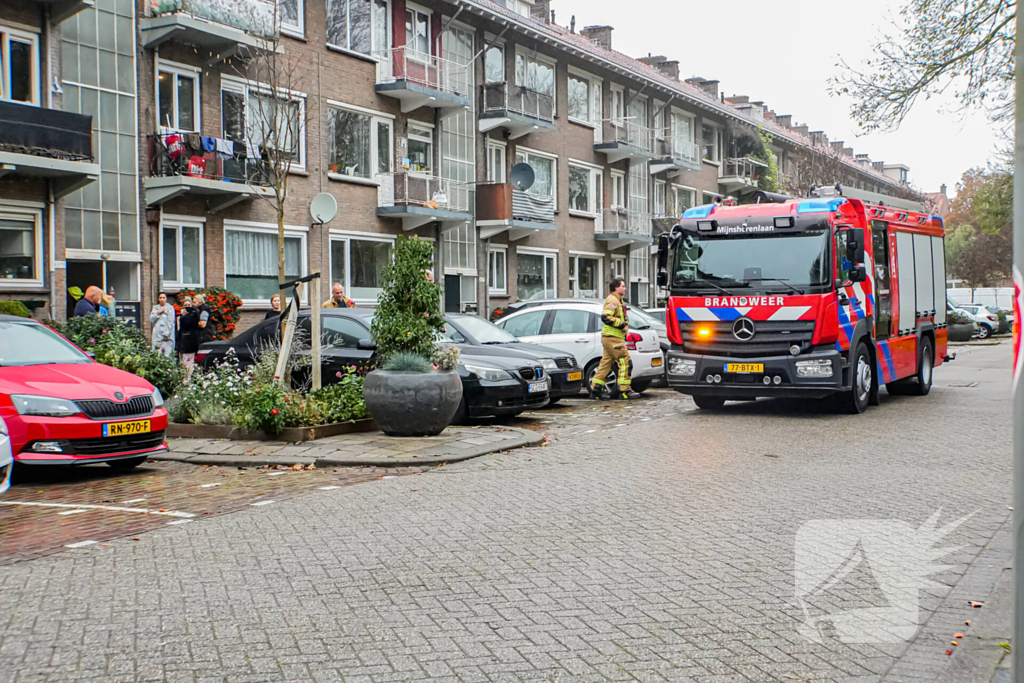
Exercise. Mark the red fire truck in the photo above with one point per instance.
(828, 296)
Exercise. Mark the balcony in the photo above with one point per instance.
(619, 226)
(420, 80)
(222, 29)
(740, 174)
(420, 199)
(625, 139)
(675, 153)
(179, 165)
(65, 9)
(47, 143)
(518, 110)
(501, 208)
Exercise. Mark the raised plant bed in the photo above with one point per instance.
(293, 435)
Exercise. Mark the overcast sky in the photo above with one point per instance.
(784, 54)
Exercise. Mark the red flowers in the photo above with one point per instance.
(273, 411)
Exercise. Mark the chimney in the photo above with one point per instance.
(710, 87)
(784, 120)
(848, 152)
(819, 138)
(769, 115)
(572, 24)
(802, 130)
(878, 165)
(837, 147)
(602, 35)
(666, 66)
(738, 99)
(942, 189)
(541, 11)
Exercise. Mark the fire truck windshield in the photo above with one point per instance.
(790, 262)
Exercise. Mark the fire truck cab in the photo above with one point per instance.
(828, 296)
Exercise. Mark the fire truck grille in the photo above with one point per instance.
(771, 338)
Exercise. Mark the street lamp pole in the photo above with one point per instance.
(1018, 366)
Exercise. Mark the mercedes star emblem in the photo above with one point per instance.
(743, 329)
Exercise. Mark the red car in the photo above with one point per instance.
(63, 408)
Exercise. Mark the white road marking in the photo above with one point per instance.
(390, 476)
(590, 431)
(80, 544)
(329, 488)
(262, 502)
(179, 521)
(134, 500)
(207, 486)
(275, 474)
(164, 513)
(72, 512)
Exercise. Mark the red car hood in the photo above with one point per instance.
(73, 381)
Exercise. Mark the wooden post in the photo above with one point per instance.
(286, 344)
(313, 294)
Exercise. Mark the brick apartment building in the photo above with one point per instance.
(411, 115)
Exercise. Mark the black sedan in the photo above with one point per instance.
(487, 339)
(495, 385)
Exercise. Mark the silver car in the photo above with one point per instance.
(987, 321)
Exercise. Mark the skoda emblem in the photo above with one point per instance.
(743, 329)
(118, 395)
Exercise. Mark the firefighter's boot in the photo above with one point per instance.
(599, 392)
(628, 395)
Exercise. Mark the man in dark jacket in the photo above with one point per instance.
(89, 303)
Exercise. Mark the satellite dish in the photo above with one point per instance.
(522, 177)
(323, 208)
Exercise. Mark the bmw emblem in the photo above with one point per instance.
(118, 395)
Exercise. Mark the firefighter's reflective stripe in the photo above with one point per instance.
(609, 331)
(614, 352)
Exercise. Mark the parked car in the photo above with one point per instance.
(6, 457)
(564, 374)
(493, 383)
(575, 327)
(987, 321)
(61, 407)
(1005, 318)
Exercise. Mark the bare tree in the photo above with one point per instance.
(966, 45)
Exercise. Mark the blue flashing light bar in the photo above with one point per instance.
(937, 219)
(819, 205)
(700, 211)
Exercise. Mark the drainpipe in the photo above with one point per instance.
(51, 203)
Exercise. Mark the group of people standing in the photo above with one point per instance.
(185, 332)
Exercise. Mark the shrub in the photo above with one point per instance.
(408, 316)
(15, 308)
(223, 386)
(405, 361)
(342, 402)
(263, 409)
(223, 305)
(447, 357)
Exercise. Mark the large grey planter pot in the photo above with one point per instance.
(961, 333)
(412, 403)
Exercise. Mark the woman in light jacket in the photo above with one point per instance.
(162, 317)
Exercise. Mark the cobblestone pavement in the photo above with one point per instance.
(658, 550)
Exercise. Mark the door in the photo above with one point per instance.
(883, 285)
(452, 294)
(526, 326)
(574, 332)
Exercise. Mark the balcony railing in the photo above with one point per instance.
(427, 71)
(745, 168)
(628, 132)
(183, 154)
(622, 221)
(677, 147)
(507, 97)
(40, 132)
(403, 188)
(252, 16)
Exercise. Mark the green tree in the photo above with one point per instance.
(769, 179)
(409, 315)
(965, 46)
(980, 226)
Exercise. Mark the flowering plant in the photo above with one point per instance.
(223, 305)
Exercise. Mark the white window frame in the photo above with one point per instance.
(528, 54)
(675, 197)
(618, 189)
(244, 87)
(6, 33)
(371, 56)
(596, 192)
(177, 222)
(19, 213)
(347, 237)
(428, 136)
(493, 253)
(594, 90)
(496, 148)
(618, 267)
(376, 118)
(299, 231)
(527, 153)
(617, 107)
(574, 271)
(175, 69)
(707, 197)
(717, 161)
(551, 254)
(299, 30)
(491, 42)
(660, 198)
(412, 53)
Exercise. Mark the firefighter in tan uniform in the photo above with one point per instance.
(613, 339)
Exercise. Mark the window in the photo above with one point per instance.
(19, 66)
(660, 208)
(712, 143)
(358, 264)
(579, 98)
(359, 144)
(618, 266)
(639, 279)
(708, 198)
(359, 25)
(618, 103)
(618, 189)
(518, 6)
(21, 248)
(682, 136)
(535, 73)
(494, 64)
(544, 170)
(495, 161)
(585, 276)
(342, 333)
(639, 177)
(421, 148)
(178, 97)
(252, 114)
(417, 31)
(182, 255)
(250, 262)
(682, 199)
(568, 321)
(843, 266)
(497, 283)
(291, 15)
(526, 325)
(535, 276)
(586, 189)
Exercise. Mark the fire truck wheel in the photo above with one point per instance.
(856, 401)
(709, 402)
(925, 364)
